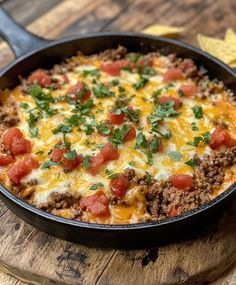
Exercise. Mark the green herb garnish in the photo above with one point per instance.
(176, 156)
(197, 110)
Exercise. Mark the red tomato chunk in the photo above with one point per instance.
(41, 77)
(117, 119)
(182, 181)
(174, 211)
(172, 74)
(22, 168)
(166, 99)
(130, 135)
(109, 152)
(95, 164)
(6, 160)
(97, 204)
(114, 68)
(15, 143)
(119, 186)
(71, 164)
(221, 138)
(57, 154)
(80, 92)
(188, 89)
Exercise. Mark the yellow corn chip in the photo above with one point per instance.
(230, 37)
(218, 48)
(161, 30)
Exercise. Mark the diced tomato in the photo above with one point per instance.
(6, 160)
(80, 92)
(57, 154)
(119, 185)
(172, 74)
(109, 152)
(95, 162)
(186, 64)
(182, 181)
(20, 169)
(113, 68)
(220, 138)
(41, 77)
(70, 164)
(65, 79)
(166, 99)
(31, 162)
(188, 89)
(97, 204)
(21, 146)
(10, 135)
(117, 119)
(130, 135)
(174, 211)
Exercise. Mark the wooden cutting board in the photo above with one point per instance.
(37, 258)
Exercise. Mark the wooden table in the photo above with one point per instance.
(57, 18)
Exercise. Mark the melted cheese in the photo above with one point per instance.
(78, 180)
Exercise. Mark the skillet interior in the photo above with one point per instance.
(122, 236)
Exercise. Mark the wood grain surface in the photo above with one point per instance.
(36, 258)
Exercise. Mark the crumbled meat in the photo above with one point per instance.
(188, 67)
(9, 115)
(114, 54)
(60, 201)
(162, 197)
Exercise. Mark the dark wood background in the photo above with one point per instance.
(58, 18)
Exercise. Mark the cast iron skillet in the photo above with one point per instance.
(33, 52)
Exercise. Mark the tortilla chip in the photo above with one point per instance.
(230, 37)
(161, 30)
(218, 48)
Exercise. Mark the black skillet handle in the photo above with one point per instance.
(20, 41)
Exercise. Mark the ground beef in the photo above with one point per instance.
(162, 197)
(59, 201)
(9, 115)
(114, 54)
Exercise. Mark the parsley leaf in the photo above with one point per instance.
(197, 110)
(192, 162)
(96, 186)
(62, 129)
(205, 138)
(103, 129)
(194, 126)
(86, 162)
(91, 72)
(24, 105)
(71, 155)
(48, 164)
(101, 91)
(144, 79)
(119, 134)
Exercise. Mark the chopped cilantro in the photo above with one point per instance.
(101, 91)
(132, 163)
(34, 132)
(194, 126)
(144, 79)
(103, 129)
(192, 162)
(134, 57)
(161, 112)
(39, 152)
(76, 120)
(89, 129)
(71, 155)
(205, 138)
(113, 175)
(91, 72)
(180, 93)
(119, 134)
(86, 162)
(96, 186)
(62, 129)
(176, 156)
(115, 82)
(48, 164)
(197, 110)
(121, 89)
(24, 105)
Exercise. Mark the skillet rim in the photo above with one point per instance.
(117, 227)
